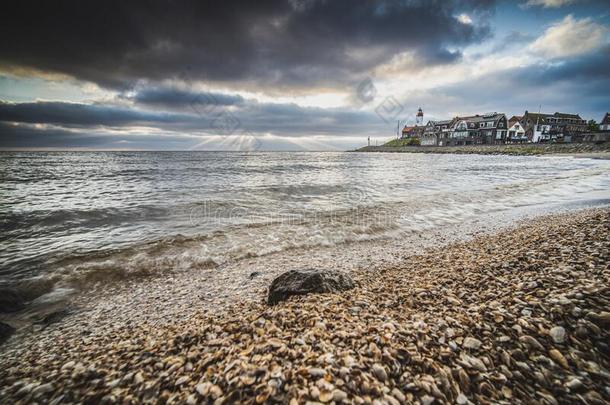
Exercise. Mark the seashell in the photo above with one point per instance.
(464, 380)
(215, 391)
(247, 379)
(316, 372)
(602, 318)
(183, 380)
(325, 396)
(558, 334)
(574, 384)
(398, 395)
(471, 343)
(531, 342)
(338, 395)
(486, 389)
(558, 358)
(203, 389)
(379, 372)
(262, 397)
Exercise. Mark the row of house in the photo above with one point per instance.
(495, 128)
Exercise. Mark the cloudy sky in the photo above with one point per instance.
(287, 74)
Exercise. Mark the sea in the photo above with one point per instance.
(72, 219)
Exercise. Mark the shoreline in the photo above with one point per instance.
(517, 315)
(155, 297)
(587, 150)
(136, 299)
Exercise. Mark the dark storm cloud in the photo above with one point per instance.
(74, 114)
(173, 98)
(284, 42)
(29, 137)
(249, 116)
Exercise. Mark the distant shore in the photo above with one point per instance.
(519, 316)
(591, 149)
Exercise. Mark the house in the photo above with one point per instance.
(516, 132)
(407, 132)
(412, 131)
(436, 133)
(513, 119)
(605, 124)
(552, 127)
(429, 136)
(488, 129)
(465, 131)
(536, 126)
(567, 126)
(418, 132)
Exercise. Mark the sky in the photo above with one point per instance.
(287, 74)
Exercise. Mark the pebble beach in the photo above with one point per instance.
(520, 316)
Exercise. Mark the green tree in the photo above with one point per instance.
(592, 125)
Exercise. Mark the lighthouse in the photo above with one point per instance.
(419, 118)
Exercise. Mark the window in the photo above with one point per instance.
(500, 125)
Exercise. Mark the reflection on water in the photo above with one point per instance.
(86, 216)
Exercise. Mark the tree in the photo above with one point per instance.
(592, 126)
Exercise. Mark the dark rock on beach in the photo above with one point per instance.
(5, 331)
(14, 297)
(10, 300)
(305, 281)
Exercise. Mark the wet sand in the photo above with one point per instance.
(517, 316)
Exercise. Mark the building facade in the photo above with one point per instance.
(486, 129)
(412, 132)
(552, 127)
(516, 133)
(605, 124)
(437, 133)
(495, 128)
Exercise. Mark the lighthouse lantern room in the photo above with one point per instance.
(419, 119)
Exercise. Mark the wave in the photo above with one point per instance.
(73, 249)
(204, 252)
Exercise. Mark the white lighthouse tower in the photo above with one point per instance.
(419, 118)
